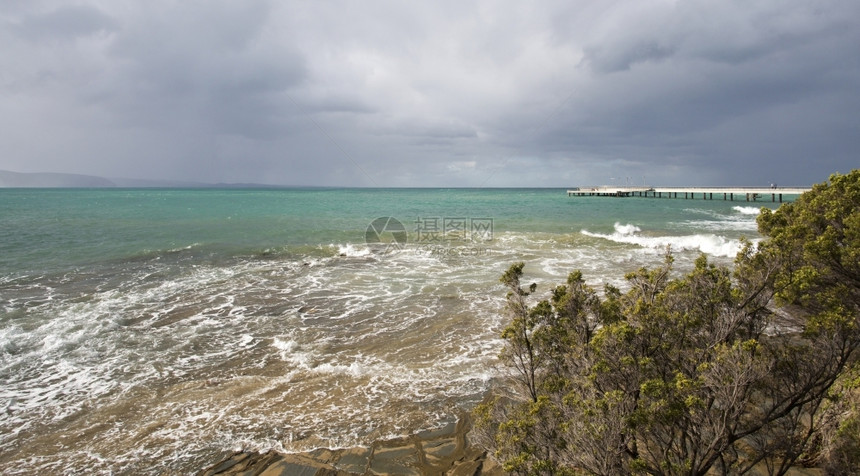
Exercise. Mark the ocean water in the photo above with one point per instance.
(150, 330)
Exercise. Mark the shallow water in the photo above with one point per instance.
(149, 330)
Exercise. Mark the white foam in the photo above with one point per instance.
(747, 210)
(290, 351)
(183, 248)
(626, 230)
(415, 329)
(285, 345)
(246, 340)
(351, 250)
(709, 244)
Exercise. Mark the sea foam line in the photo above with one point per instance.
(710, 244)
(747, 210)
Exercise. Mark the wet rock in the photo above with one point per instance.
(354, 460)
(442, 452)
(272, 464)
(400, 459)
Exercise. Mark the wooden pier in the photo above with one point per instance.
(750, 194)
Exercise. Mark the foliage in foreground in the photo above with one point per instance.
(698, 373)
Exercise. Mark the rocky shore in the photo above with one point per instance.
(445, 451)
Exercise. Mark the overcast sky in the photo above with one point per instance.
(443, 93)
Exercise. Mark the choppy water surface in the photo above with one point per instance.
(150, 330)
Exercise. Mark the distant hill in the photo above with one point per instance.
(56, 180)
(49, 180)
(145, 183)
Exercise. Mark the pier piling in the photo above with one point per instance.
(750, 193)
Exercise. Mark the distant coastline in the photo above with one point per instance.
(9, 179)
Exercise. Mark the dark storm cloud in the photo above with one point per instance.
(727, 94)
(203, 68)
(444, 93)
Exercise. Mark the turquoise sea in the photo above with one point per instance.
(150, 330)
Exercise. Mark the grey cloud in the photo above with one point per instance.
(65, 23)
(444, 93)
(605, 61)
(340, 104)
(204, 67)
(720, 32)
(708, 102)
(427, 128)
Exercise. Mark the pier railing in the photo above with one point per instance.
(707, 193)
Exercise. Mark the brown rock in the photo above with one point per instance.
(444, 451)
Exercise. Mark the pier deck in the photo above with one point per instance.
(750, 194)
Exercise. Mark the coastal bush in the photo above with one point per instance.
(716, 371)
(840, 448)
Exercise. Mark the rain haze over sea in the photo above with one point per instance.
(149, 330)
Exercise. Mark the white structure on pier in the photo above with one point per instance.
(751, 194)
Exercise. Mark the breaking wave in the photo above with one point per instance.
(747, 210)
(711, 244)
